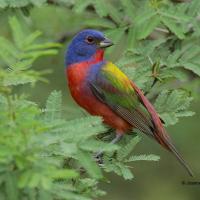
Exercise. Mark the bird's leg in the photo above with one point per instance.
(99, 154)
(117, 138)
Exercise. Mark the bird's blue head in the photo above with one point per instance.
(85, 45)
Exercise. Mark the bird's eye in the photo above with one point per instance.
(90, 40)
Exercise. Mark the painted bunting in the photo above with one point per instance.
(99, 87)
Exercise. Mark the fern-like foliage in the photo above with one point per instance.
(20, 3)
(173, 104)
(43, 156)
(142, 17)
(19, 56)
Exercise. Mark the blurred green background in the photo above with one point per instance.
(153, 180)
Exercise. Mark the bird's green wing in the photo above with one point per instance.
(113, 88)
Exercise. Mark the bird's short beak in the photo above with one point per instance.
(105, 43)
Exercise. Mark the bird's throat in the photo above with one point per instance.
(98, 56)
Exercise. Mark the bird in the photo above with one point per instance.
(102, 89)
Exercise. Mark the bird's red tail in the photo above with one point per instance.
(160, 133)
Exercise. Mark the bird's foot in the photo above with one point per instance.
(99, 157)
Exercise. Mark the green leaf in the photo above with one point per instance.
(17, 32)
(11, 190)
(53, 106)
(24, 178)
(150, 157)
(178, 15)
(147, 27)
(132, 37)
(175, 28)
(115, 34)
(86, 160)
(64, 174)
(94, 145)
(17, 78)
(126, 172)
(129, 8)
(20, 3)
(31, 38)
(124, 151)
(113, 12)
(172, 105)
(185, 114)
(81, 5)
(8, 52)
(100, 7)
(194, 67)
(145, 15)
(35, 180)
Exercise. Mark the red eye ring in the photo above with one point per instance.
(90, 40)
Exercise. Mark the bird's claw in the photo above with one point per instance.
(99, 158)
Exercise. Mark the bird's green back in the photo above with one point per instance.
(117, 87)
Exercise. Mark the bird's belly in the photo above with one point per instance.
(84, 97)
